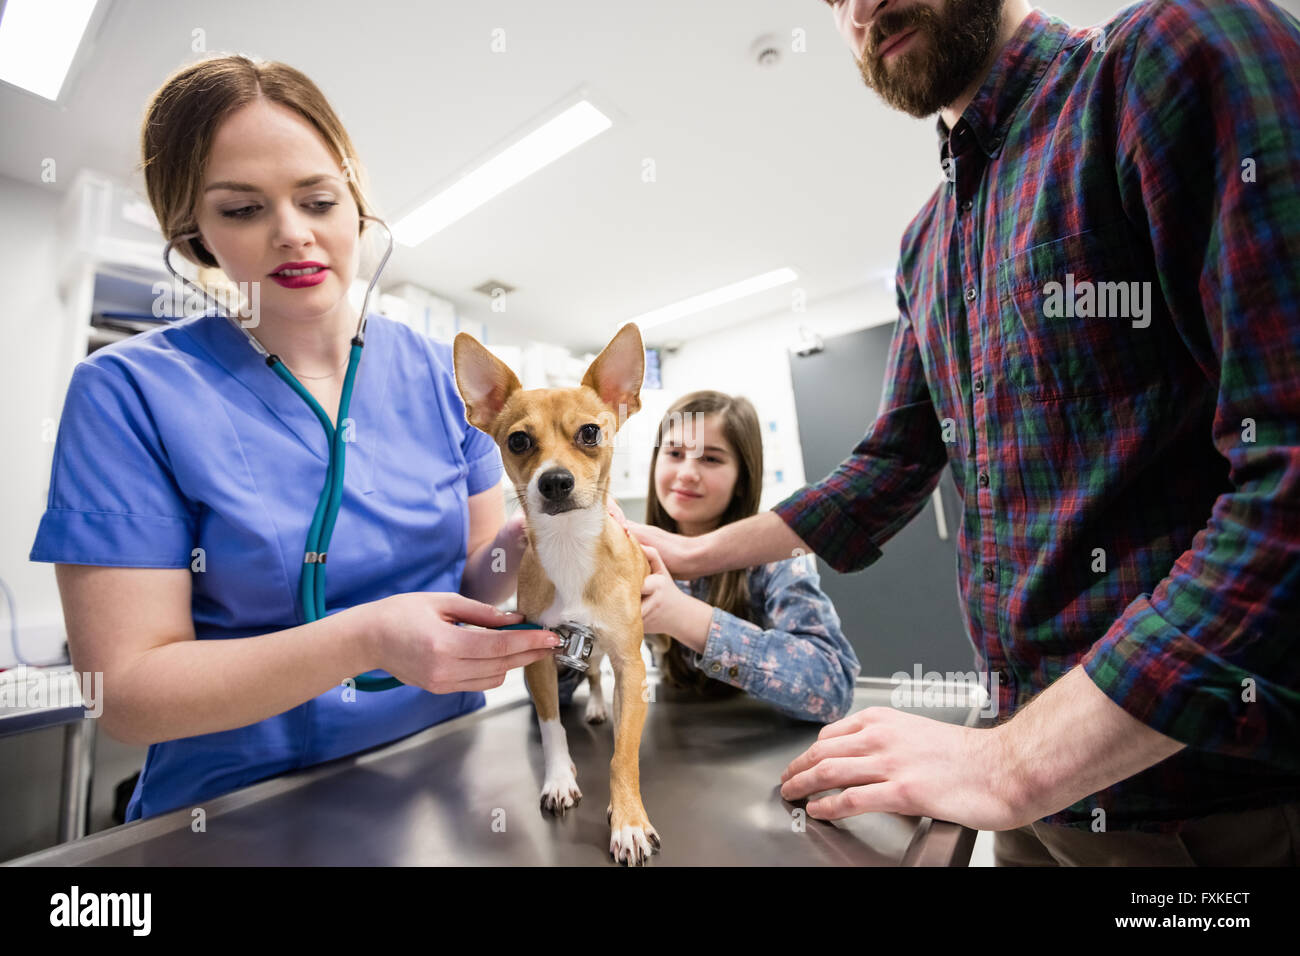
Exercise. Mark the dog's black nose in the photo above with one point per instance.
(556, 484)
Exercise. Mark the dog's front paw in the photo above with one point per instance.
(560, 790)
(596, 712)
(632, 843)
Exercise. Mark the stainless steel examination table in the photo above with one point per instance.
(467, 791)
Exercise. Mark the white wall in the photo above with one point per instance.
(750, 359)
(753, 359)
(34, 370)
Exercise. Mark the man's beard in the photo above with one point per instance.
(931, 75)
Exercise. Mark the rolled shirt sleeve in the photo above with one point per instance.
(483, 459)
(1210, 656)
(484, 467)
(802, 663)
(113, 499)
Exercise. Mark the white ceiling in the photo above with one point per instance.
(797, 166)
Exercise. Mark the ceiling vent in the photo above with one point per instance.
(489, 287)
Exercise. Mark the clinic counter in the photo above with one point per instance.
(466, 792)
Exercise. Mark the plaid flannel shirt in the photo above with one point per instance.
(1099, 334)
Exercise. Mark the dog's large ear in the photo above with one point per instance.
(617, 372)
(484, 381)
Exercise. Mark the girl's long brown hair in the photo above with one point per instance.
(730, 589)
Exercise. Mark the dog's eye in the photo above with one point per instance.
(589, 434)
(519, 442)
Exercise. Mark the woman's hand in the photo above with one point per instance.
(611, 503)
(415, 638)
(491, 571)
(678, 551)
(513, 538)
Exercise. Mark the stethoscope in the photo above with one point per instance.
(311, 585)
(578, 640)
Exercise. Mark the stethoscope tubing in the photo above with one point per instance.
(311, 584)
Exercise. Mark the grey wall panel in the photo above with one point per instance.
(903, 610)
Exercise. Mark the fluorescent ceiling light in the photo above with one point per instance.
(709, 300)
(517, 161)
(38, 40)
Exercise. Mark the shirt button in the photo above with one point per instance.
(988, 574)
(984, 479)
(966, 205)
(979, 384)
(970, 294)
(733, 671)
(716, 667)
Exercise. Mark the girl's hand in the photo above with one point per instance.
(416, 639)
(661, 598)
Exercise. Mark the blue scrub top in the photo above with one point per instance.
(182, 438)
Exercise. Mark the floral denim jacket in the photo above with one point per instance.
(800, 661)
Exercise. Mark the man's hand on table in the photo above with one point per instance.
(1068, 742)
(892, 761)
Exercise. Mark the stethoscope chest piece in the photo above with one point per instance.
(576, 649)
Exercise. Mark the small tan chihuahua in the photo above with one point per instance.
(580, 566)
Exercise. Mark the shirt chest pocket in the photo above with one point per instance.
(1081, 316)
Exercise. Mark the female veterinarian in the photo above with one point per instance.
(187, 472)
(769, 631)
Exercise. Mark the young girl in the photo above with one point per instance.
(768, 631)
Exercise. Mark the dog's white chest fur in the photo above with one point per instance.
(566, 546)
